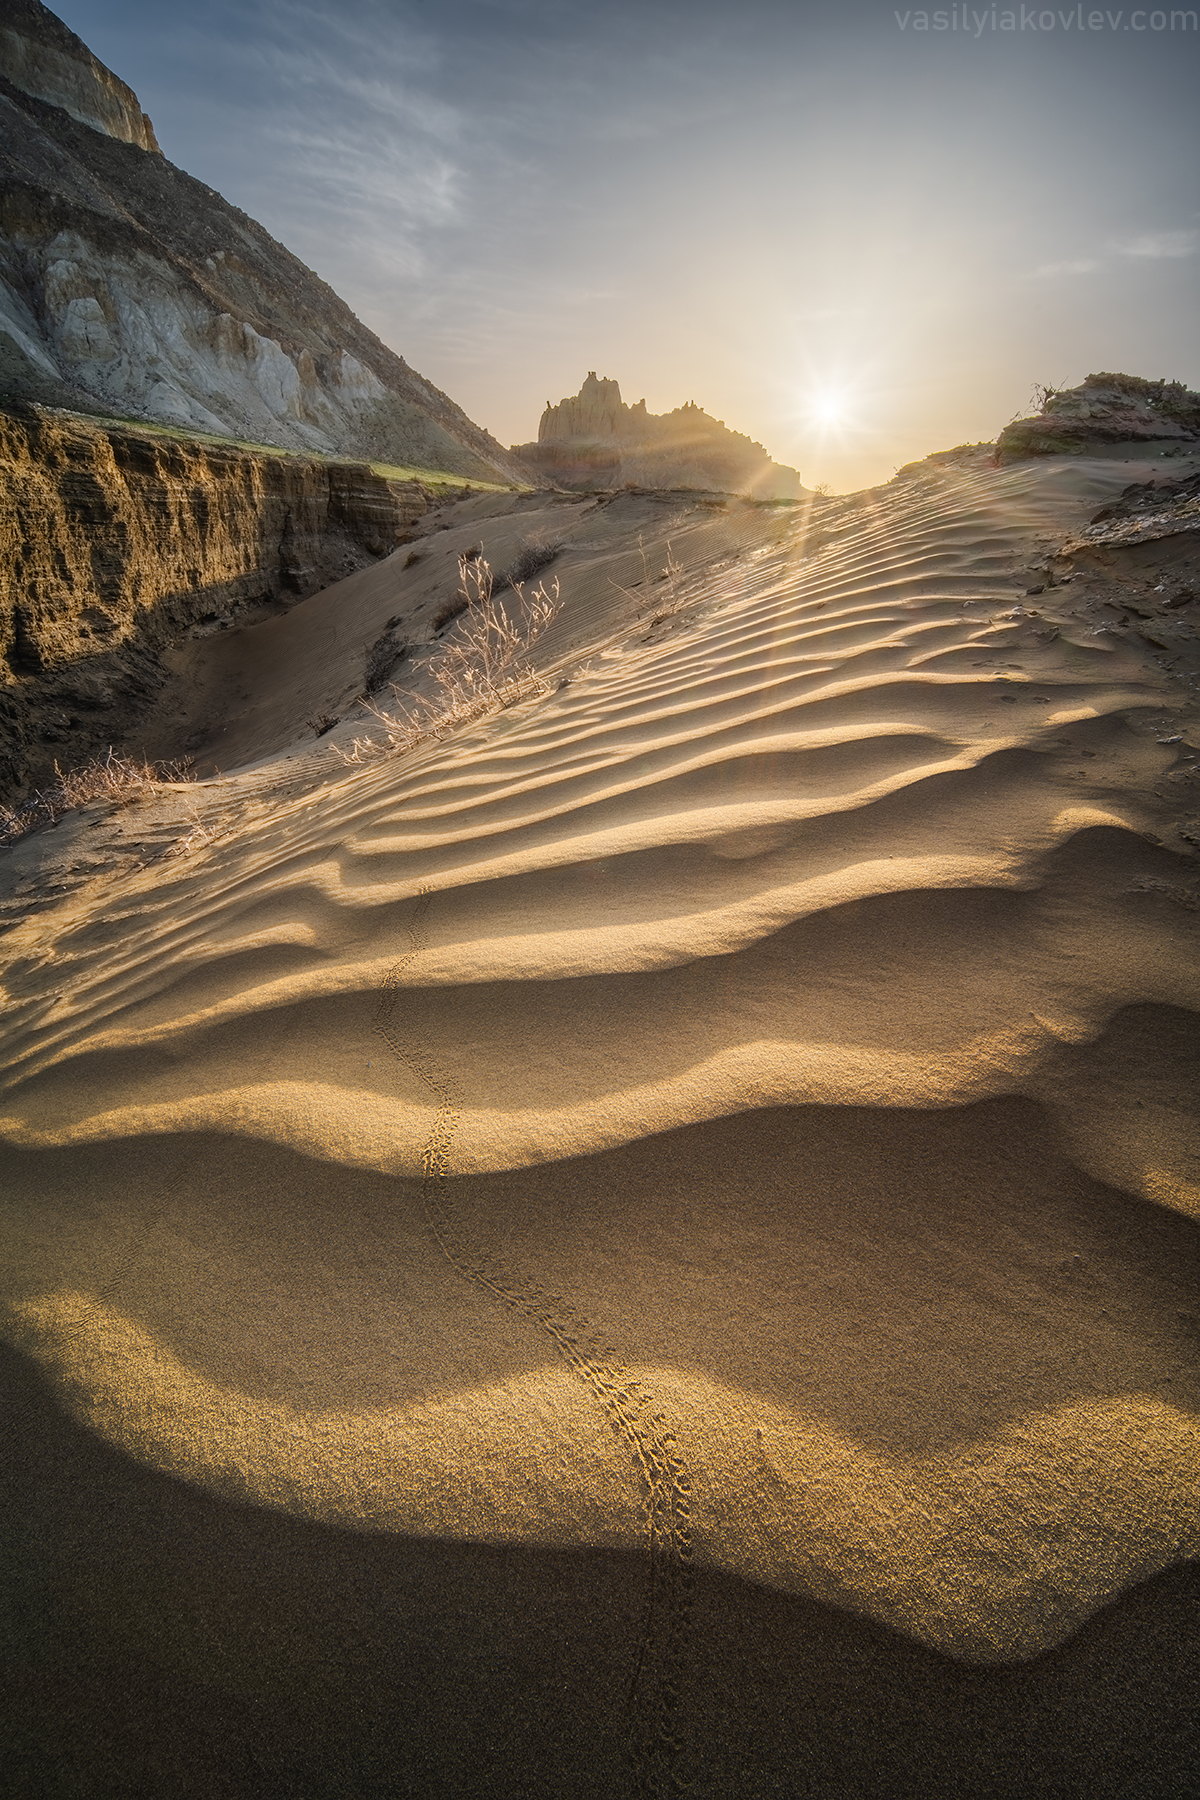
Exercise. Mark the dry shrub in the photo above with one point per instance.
(482, 668)
(382, 657)
(453, 609)
(672, 598)
(116, 779)
(201, 833)
(537, 552)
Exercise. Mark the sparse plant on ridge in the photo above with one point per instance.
(672, 600)
(117, 779)
(1043, 393)
(479, 670)
(199, 835)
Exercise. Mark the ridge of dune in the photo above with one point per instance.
(995, 1549)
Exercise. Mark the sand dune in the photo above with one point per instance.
(739, 1106)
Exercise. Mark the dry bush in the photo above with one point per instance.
(382, 657)
(482, 668)
(536, 553)
(201, 833)
(453, 609)
(475, 587)
(672, 598)
(1043, 393)
(116, 779)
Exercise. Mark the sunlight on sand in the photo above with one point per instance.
(740, 1105)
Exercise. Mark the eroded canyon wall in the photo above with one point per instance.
(114, 543)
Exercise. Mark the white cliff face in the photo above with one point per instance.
(139, 337)
(129, 289)
(20, 335)
(78, 82)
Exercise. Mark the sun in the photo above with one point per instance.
(829, 407)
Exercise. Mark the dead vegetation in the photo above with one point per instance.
(475, 586)
(118, 780)
(382, 657)
(536, 553)
(483, 667)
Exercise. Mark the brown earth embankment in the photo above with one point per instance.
(115, 542)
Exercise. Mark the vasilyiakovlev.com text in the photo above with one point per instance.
(1028, 18)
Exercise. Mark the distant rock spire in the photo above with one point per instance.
(593, 439)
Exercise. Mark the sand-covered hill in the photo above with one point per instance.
(592, 439)
(129, 288)
(648, 1244)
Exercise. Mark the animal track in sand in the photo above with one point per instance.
(656, 1746)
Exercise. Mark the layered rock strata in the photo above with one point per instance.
(594, 440)
(129, 289)
(113, 543)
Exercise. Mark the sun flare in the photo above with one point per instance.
(829, 407)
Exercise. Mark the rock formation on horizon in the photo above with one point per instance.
(1104, 409)
(129, 289)
(593, 439)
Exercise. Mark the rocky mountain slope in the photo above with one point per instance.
(593, 439)
(128, 288)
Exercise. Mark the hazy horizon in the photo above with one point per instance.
(753, 211)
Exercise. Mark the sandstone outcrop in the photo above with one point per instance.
(593, 439)
(115, 542)
(128, 289)
(1104, 409)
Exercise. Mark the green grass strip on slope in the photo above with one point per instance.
(443, 478)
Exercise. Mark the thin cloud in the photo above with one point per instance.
(1157, 244)
(1079, 265)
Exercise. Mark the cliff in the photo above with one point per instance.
(1104, 409)
(44, 59)
(113, 543)
(593, 439)
(129, 289)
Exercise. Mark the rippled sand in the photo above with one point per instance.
(735, 1114)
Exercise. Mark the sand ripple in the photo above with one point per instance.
(831, 825)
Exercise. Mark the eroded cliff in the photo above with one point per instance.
(115, 542)
(127, 288)
(45, 59)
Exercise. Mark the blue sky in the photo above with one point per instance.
(758, 207)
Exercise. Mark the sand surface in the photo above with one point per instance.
(649, 1245)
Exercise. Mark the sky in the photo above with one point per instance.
(850, 233)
